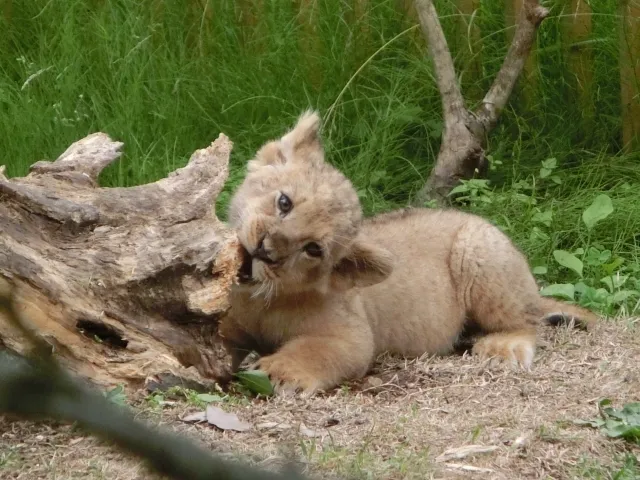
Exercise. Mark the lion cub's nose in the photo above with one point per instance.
(262, 253)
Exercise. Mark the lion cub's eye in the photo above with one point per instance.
(285, 204)
(313, 249)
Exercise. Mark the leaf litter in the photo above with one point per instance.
(219, 418)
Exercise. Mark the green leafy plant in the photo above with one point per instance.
(473, 191)
(600, 209)
(117, 395)
(194, 398)
(600, 281)
(566, 291)
(624, 423)
(547, 169)
(156, 400)
(591, 275)
(568, 260)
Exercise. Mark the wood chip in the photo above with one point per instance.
(195, 417)
(465, 451)
(468, 468)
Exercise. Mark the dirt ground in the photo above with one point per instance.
(403, 423)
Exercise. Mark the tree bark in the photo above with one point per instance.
(125, 284)
(462, 154)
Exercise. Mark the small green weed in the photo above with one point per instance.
(594, 470)
(8, 458)
(249, 383)
(624, 423)
(156, 400)
(192, 397)
(475, 433)
(473, 191)
(117, 395)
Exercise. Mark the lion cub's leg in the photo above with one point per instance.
(499, 293)
(510, 323)
(311, 363)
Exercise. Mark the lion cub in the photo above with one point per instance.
(323, 291)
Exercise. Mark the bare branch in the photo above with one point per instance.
(202, 179)
(496, 98)
(461, 153)
(186, 194)
(88, 156)
(452, 101)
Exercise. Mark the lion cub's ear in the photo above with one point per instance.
(269, 154)
(364, 265)
(304, 136)
(300, 144)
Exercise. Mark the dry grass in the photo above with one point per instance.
(398, 429)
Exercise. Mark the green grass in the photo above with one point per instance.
(167, 77)
(627, 468)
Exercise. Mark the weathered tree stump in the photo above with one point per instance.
(125, 284)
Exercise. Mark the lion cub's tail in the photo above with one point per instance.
(560, 313)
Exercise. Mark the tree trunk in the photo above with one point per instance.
(461, 153)
(125, 284)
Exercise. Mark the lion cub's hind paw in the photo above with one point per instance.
(514, 349)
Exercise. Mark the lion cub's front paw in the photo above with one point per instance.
(287, 375)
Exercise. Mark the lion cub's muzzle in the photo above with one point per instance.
(245, 274)
(261, 253)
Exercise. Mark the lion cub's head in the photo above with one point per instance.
(298, 219)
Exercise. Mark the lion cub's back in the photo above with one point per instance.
(416, 309)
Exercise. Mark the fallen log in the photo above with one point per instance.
(126, 285)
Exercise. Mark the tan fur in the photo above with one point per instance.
(407, 282)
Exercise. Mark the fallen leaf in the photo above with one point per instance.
(195, 417)
(307, 432)
(225, 421)
(256, 380)
(463, 452)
